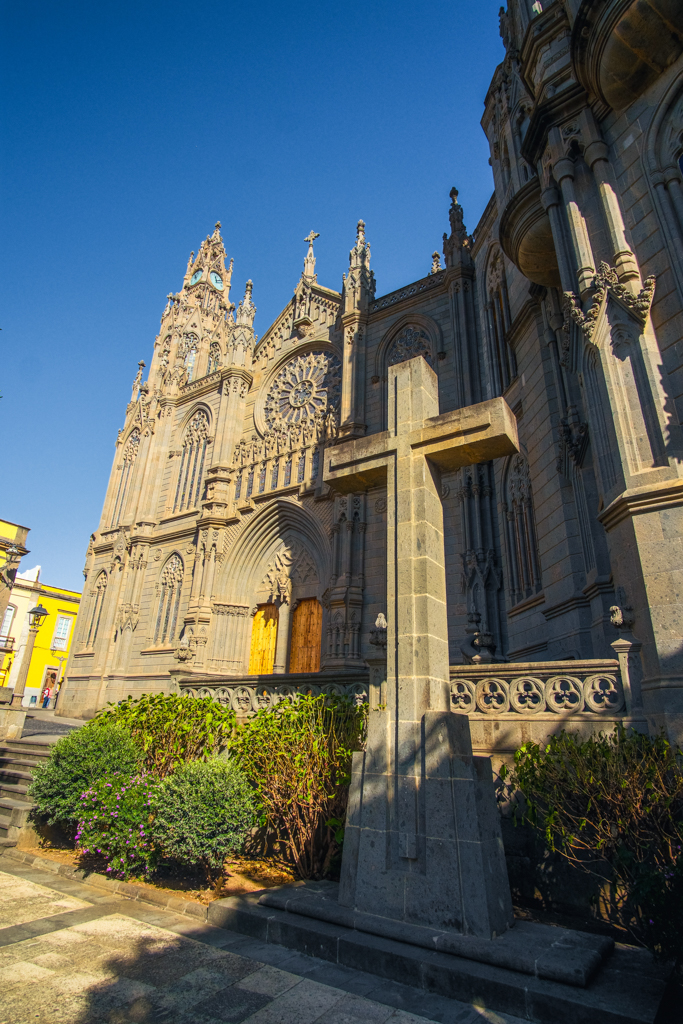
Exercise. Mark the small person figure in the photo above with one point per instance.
(46, 697)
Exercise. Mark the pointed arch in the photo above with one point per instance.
(215, 357)
(497, 320)
(170, 589)
(192, 460)
(412, 334)
(98, 594)
(130, 454)
(519, 530)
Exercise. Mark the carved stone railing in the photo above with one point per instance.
(531, 688)
(252, 693)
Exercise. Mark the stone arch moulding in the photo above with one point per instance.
(244, 569)
(322, 345)
(418, 321)
(188, 417)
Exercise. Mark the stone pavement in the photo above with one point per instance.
(70, 954)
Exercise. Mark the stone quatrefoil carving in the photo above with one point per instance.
(244, 699)
(308, 387)
(598, 693)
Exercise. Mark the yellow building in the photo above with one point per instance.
(52, 642)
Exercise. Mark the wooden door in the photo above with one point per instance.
(263, 637)
(307, 630)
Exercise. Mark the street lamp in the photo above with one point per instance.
(36, 617)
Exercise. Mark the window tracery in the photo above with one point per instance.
(171, 586)
(307, 388)
(411, 342)
(214, 357)
(191, 472)
(130, 453)
(187, 351)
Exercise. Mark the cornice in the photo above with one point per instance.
(392, 299)
(639, 500)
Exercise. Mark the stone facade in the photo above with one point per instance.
(567, 300)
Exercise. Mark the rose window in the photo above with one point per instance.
(308, 387)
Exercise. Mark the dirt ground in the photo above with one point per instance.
(242, 874)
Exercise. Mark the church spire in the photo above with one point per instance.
(456, 246)
(309, 263)
(359, 285)
(209, 267)
(246, 311)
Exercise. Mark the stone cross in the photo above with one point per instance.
(422, 843)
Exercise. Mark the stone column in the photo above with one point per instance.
(623, 258)
(282, 640)
(550, 198)
(583, 256)
(631, 669)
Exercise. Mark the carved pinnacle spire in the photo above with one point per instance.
(309, 262)
(246, 311)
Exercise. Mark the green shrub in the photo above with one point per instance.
(613, 806)
(298, 757)
(115, 823)
(75, 762)
(203, 813)
(172, 729)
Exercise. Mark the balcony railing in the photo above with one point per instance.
(6, 644)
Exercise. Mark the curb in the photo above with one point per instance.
(139, 893)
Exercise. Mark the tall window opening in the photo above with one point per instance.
(498, 324)
(7, 620)
(188, 353)
(214, 357)
(61, 634)
(98, 594)
(263, 639)
(169, 600)
(130, 453)
(191, 472)
(307, 632)
(524, 573)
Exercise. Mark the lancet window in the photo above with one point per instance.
(498, 324)
(188, 353)
(98, 594)
(129, 456)
(193, 457)
(214, 357)
(171, 586)
(524, 573)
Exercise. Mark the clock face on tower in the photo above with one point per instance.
(196, 276)
(216, 280)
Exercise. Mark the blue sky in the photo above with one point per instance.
(130, 128)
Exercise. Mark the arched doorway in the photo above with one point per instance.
(307, 630)
(263, 640)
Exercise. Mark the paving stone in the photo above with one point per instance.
(269, 981)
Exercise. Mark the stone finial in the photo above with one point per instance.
(189, 263)
(359, 284)
(309, 261)
(456, 245)
(138, 380)
(436, 263)
(246, 311)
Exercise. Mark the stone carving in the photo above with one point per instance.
(378, 635)
(381, 505)
(307, 388)
(599, 693)
(291, 564)
(410, 342)
(245, 699)
(606, 282)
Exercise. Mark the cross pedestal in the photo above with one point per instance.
(422, 842)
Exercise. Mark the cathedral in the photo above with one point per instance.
(224, 563)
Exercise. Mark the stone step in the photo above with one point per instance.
(17, 760)
(11, 801)
(13, 788)
(7, 843)
(34, 747)
(14, 775)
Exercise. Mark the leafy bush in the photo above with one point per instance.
(172, 729)
(76, 761)
(203, 813)
(298, 757)
(115, 822)
(613, 806)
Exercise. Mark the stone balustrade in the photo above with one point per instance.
(530, 688)
(250, 693)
